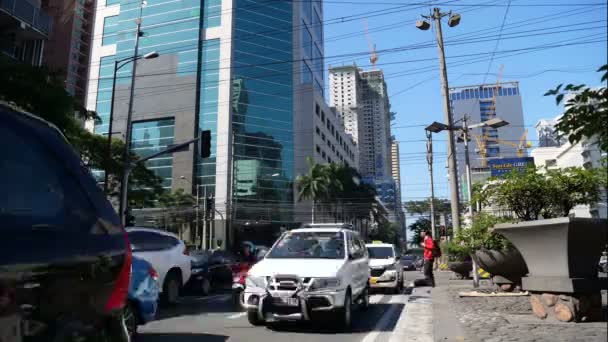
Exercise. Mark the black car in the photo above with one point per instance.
(211, 271)
(65, 260)
(408, 262)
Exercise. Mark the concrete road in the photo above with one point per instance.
(211, 319)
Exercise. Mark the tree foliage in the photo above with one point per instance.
(535, 193)
(386, 232)
(586, 111)
(339, 191)
(41, 92)
(422, 224)
(480, 236)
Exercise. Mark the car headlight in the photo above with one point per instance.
(325, 283)
(391, 267)
(252, 281)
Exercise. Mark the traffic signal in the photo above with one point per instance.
(209, 205)
(204, 144)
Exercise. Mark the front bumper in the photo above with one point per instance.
(386, 280)
(265, 303)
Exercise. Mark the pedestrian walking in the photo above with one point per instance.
(430, 253)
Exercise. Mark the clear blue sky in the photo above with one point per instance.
(413, 75)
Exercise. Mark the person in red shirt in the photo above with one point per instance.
(428, 245)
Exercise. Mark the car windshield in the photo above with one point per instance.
(407, 258)
(309, 245)
(380, 252)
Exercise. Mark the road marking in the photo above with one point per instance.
(385, 319)
(419, 309)
(376, 298)
(237, 315)
(224, 296)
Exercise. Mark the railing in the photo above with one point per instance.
(29, 13)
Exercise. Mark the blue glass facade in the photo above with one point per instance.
(208, 107)
(149, 137)
(483, 93)
(171, 28)
(262, 112)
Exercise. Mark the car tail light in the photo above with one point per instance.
(152, 273)
(186, 251)
(119, 293)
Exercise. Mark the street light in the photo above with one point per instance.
(464, 129)
(117, 66)
(436, 127)
(454, 20)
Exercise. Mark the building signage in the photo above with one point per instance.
(503, 166)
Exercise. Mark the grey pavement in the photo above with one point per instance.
(500, 319)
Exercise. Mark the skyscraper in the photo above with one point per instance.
(25, 29)
(481, 103)
(247, 70)
(361, 99)
(68, 49)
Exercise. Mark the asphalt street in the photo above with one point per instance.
(212, 319)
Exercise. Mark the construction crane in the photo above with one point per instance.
(521, 146)
(373, 56)
(482, 141)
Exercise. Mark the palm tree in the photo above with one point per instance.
(313, 185)
(336, 183)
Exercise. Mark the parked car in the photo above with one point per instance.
(385, 267)
(408, 262)
(309, 272)
(200, 280)
(168, 255)
(419, 262)
(65, 260)
(143, 295)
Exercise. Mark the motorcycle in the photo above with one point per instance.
(239, 273)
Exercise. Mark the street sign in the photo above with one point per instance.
(503, 166)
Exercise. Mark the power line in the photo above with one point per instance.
(404, 48)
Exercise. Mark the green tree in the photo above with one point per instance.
(533, 193)
(313, 185)
(573, 186)
(386, 232)
(480, 236)
(441, 206)
(586, 111)
(42, 93)
(422, 224)
(178, 210)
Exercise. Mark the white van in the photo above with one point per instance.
(386, 269)
(308, 272)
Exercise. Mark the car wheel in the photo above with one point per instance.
(205, 287)
(252, 317)
(171, 289)
(345, 314)
(365, 299)
(129, 316)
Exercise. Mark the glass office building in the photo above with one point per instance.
(228, 66)
(262, 121)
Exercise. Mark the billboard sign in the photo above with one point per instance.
(503, 166)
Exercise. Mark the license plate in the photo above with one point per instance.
(373, 280)
(287, 301)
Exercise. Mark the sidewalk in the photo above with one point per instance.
(498, 319)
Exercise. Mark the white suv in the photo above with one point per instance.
(308, 272)
(168, 255)
(386, 270)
